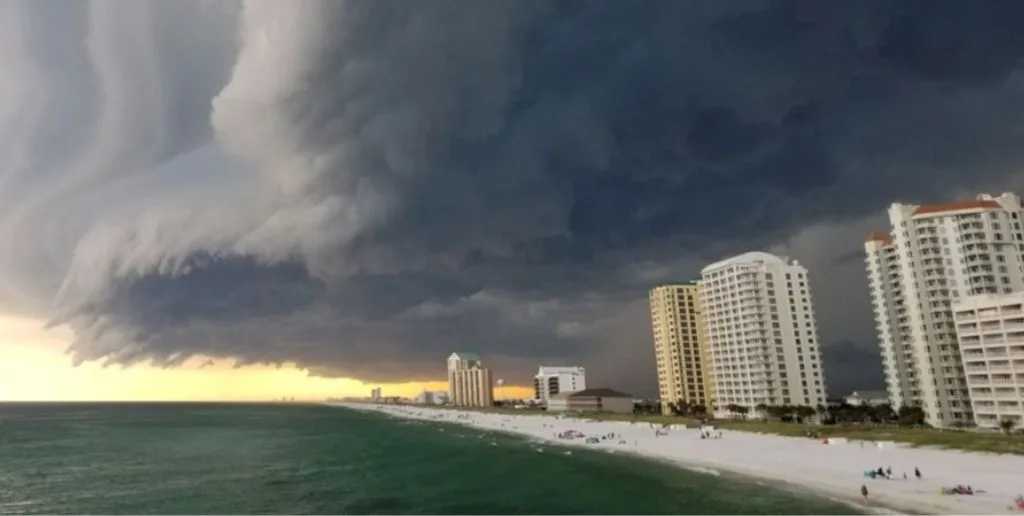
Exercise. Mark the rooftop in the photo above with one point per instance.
(751, 257)
(878, 236)
(677, 284)
(869, 395)
(977, 204)
(462, 355)
(559, 369)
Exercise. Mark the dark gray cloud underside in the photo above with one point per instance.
(533, 151)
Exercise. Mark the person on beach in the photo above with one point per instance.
(917, 473)
(864, 491)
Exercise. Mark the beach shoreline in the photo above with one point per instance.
(854, 502)
(833, 471)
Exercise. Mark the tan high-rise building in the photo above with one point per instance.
(678, 326)
(470, 384)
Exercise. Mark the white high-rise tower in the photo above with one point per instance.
(762, 338)
(934, 256)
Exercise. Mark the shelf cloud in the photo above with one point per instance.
(361, 187)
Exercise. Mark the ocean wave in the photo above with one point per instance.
(704, 471)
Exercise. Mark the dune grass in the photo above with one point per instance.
(950, 439)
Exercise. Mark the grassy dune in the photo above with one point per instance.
(951, 439)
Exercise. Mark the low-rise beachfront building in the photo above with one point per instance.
(990, 332)
(550, 381)
(867, 398)
(431, 398)
(592, 400)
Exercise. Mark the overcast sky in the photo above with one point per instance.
(364, 187)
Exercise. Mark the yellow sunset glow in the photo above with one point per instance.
(33, 367)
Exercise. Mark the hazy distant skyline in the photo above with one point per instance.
(360, 188)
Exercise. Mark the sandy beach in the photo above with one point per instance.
(835, 470)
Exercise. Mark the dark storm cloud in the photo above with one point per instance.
(510, 177)
(851, 366)
(214, 289)
(956, 41)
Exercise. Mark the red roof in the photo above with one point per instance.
(877, 236)
(956, 206)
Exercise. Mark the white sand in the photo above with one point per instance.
(833, 470)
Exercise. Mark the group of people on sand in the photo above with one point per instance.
(569, 435)
(883, 473)
(958, 489)
(709, 432)
(886, 473)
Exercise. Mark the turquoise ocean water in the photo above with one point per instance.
(288, 459)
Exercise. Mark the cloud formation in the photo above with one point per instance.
(362, 187)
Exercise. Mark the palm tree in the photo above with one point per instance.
(1007, 425)
(673, 409)
(804, 412)
(911, 415)
(885, 413)
(762, 408)
(786, 412)
(822, 412)
(733, 409)
(683, 407)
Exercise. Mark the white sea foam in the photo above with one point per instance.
(705, 471)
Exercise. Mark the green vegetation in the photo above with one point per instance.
(956, 439)
(1007, 425)
(855, 423)
(917, 436)
(858, 422)
(841, 421)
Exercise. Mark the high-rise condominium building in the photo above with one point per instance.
(935, 255)
(762, 337)
(990, 328)
(679, 349)
(469, 383)
(550, 381)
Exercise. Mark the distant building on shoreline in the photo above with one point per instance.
(934, 257)
(375, 394)
(592, 400)
(867, 398)
(470, 384)
(762, 334)
(677, 324)
(552, 380)
(431, 398)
